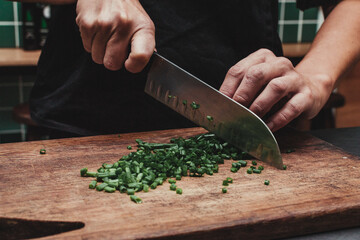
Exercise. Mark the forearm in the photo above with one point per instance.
(46, 1)
(336, 47)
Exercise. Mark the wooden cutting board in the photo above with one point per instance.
(319, 191)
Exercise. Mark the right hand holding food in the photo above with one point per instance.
(116, 33)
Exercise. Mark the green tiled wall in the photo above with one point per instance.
(14, 89)
(297, 26)
(10, 24)
(294, 26)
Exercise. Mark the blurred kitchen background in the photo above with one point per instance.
(25, 26)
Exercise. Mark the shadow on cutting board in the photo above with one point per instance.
(15, 228)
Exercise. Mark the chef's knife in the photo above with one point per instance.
(216, 112)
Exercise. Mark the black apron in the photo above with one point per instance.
(205, 37)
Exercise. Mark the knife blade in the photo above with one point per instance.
(217, 113)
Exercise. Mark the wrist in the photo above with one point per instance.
(323, 85)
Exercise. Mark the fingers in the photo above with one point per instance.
(236, 73)
(116, 52)
(275, 90)
(85, 21)
(87, 35)
(262, 81)
(142, 48)
(109, 29)
(292, 109)
(255, 79)
(99, 43)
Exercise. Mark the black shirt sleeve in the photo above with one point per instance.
(305, 4)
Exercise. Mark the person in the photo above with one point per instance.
(92, 70)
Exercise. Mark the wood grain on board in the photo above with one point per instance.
(318, 192)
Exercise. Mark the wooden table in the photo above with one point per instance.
(295, 49)
(15, 57)
(319, 192)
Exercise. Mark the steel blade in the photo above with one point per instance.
(231, 121)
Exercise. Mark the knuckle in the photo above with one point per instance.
(241, 98)
(295, 109)
(122, 20)
(257, 108)
(86, 24)
(283, 118)
(226, 90)
(278, 86)
(78, 20)
(254, 74)
(236, 71)
(151, 25)
(308, 95)
(264, 53)
(284, 63)
(146, 23)
(104, 22)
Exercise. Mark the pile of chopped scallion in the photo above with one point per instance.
(152, 163)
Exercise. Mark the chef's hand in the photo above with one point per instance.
(109, 29)
(261, 80)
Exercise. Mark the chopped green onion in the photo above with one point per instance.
(122, 189)
(129, 147)
(284, 167)
(243, 163)
(113, 184)
(101, 186)
(261, 168)
(229, 180)
(234, 170)
(146, 188)
(184, 102)
(92, 184)
(225, 183)
(130, 191)
(194, 105)
(90, 174)
(256, 171)
(173, 187)
(179, 191)
(254, 163)
(153, 163)
(171, 181)
(135, 199)
(236, 165)
(153, 185)
(83, 172)
(42, 151)
(159, 181)
(210, 118)
(224, 190)
(109, 189)
(266, 182)
(249, 170)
